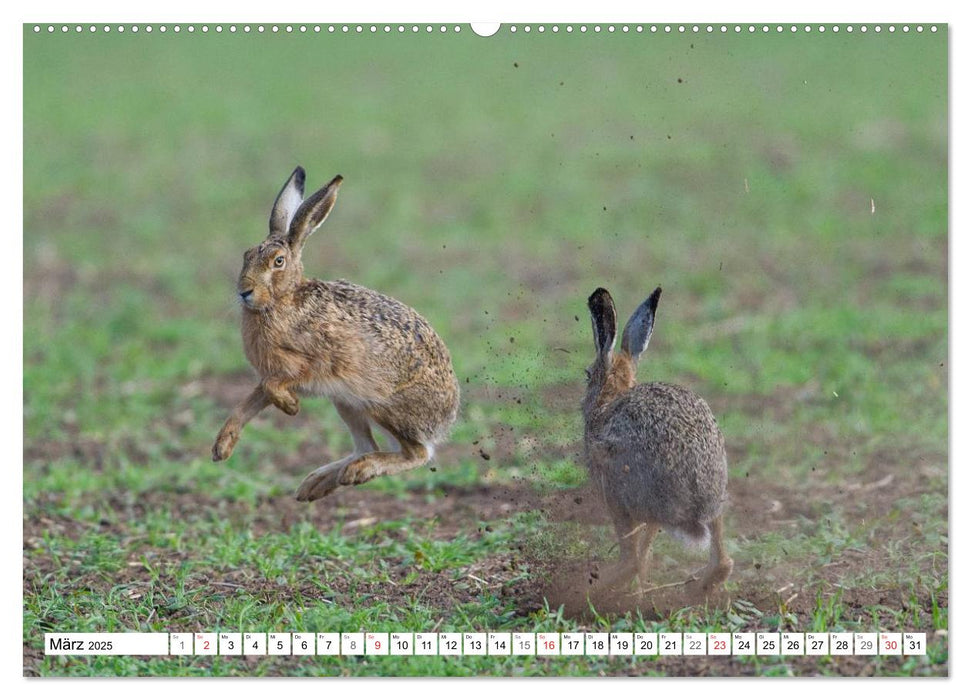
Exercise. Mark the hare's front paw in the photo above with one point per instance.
(321, 482)
(286, 402)
(225, 442)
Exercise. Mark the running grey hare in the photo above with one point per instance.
(379, 362)
(654, 450)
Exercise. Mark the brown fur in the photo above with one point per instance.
(378, 360)
(654, 450)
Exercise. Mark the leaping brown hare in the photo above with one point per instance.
(378, 361)
(654, 451)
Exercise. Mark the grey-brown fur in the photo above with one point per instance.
(654, 450)
(380, 362)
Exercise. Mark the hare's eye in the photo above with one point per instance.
(279, 261)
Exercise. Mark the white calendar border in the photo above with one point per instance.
(507, 10)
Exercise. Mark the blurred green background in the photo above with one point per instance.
(789, 192)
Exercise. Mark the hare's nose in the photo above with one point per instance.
(245, 296)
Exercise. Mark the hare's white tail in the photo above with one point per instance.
(695, 536)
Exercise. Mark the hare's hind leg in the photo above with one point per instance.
(326, 479)
(645, 540)
(629, 538)
(373, 464)
(359, 426)
(719, 563)
(323, 480)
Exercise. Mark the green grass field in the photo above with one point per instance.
(789, 192)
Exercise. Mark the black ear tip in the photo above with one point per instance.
(653, 299)
(338, 179)
(598, 298)
(299, 176)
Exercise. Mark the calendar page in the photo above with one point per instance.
(427, 349)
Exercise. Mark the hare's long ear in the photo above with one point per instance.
(604, 319)
(637, 332)
(287, 203)
(312, 213)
